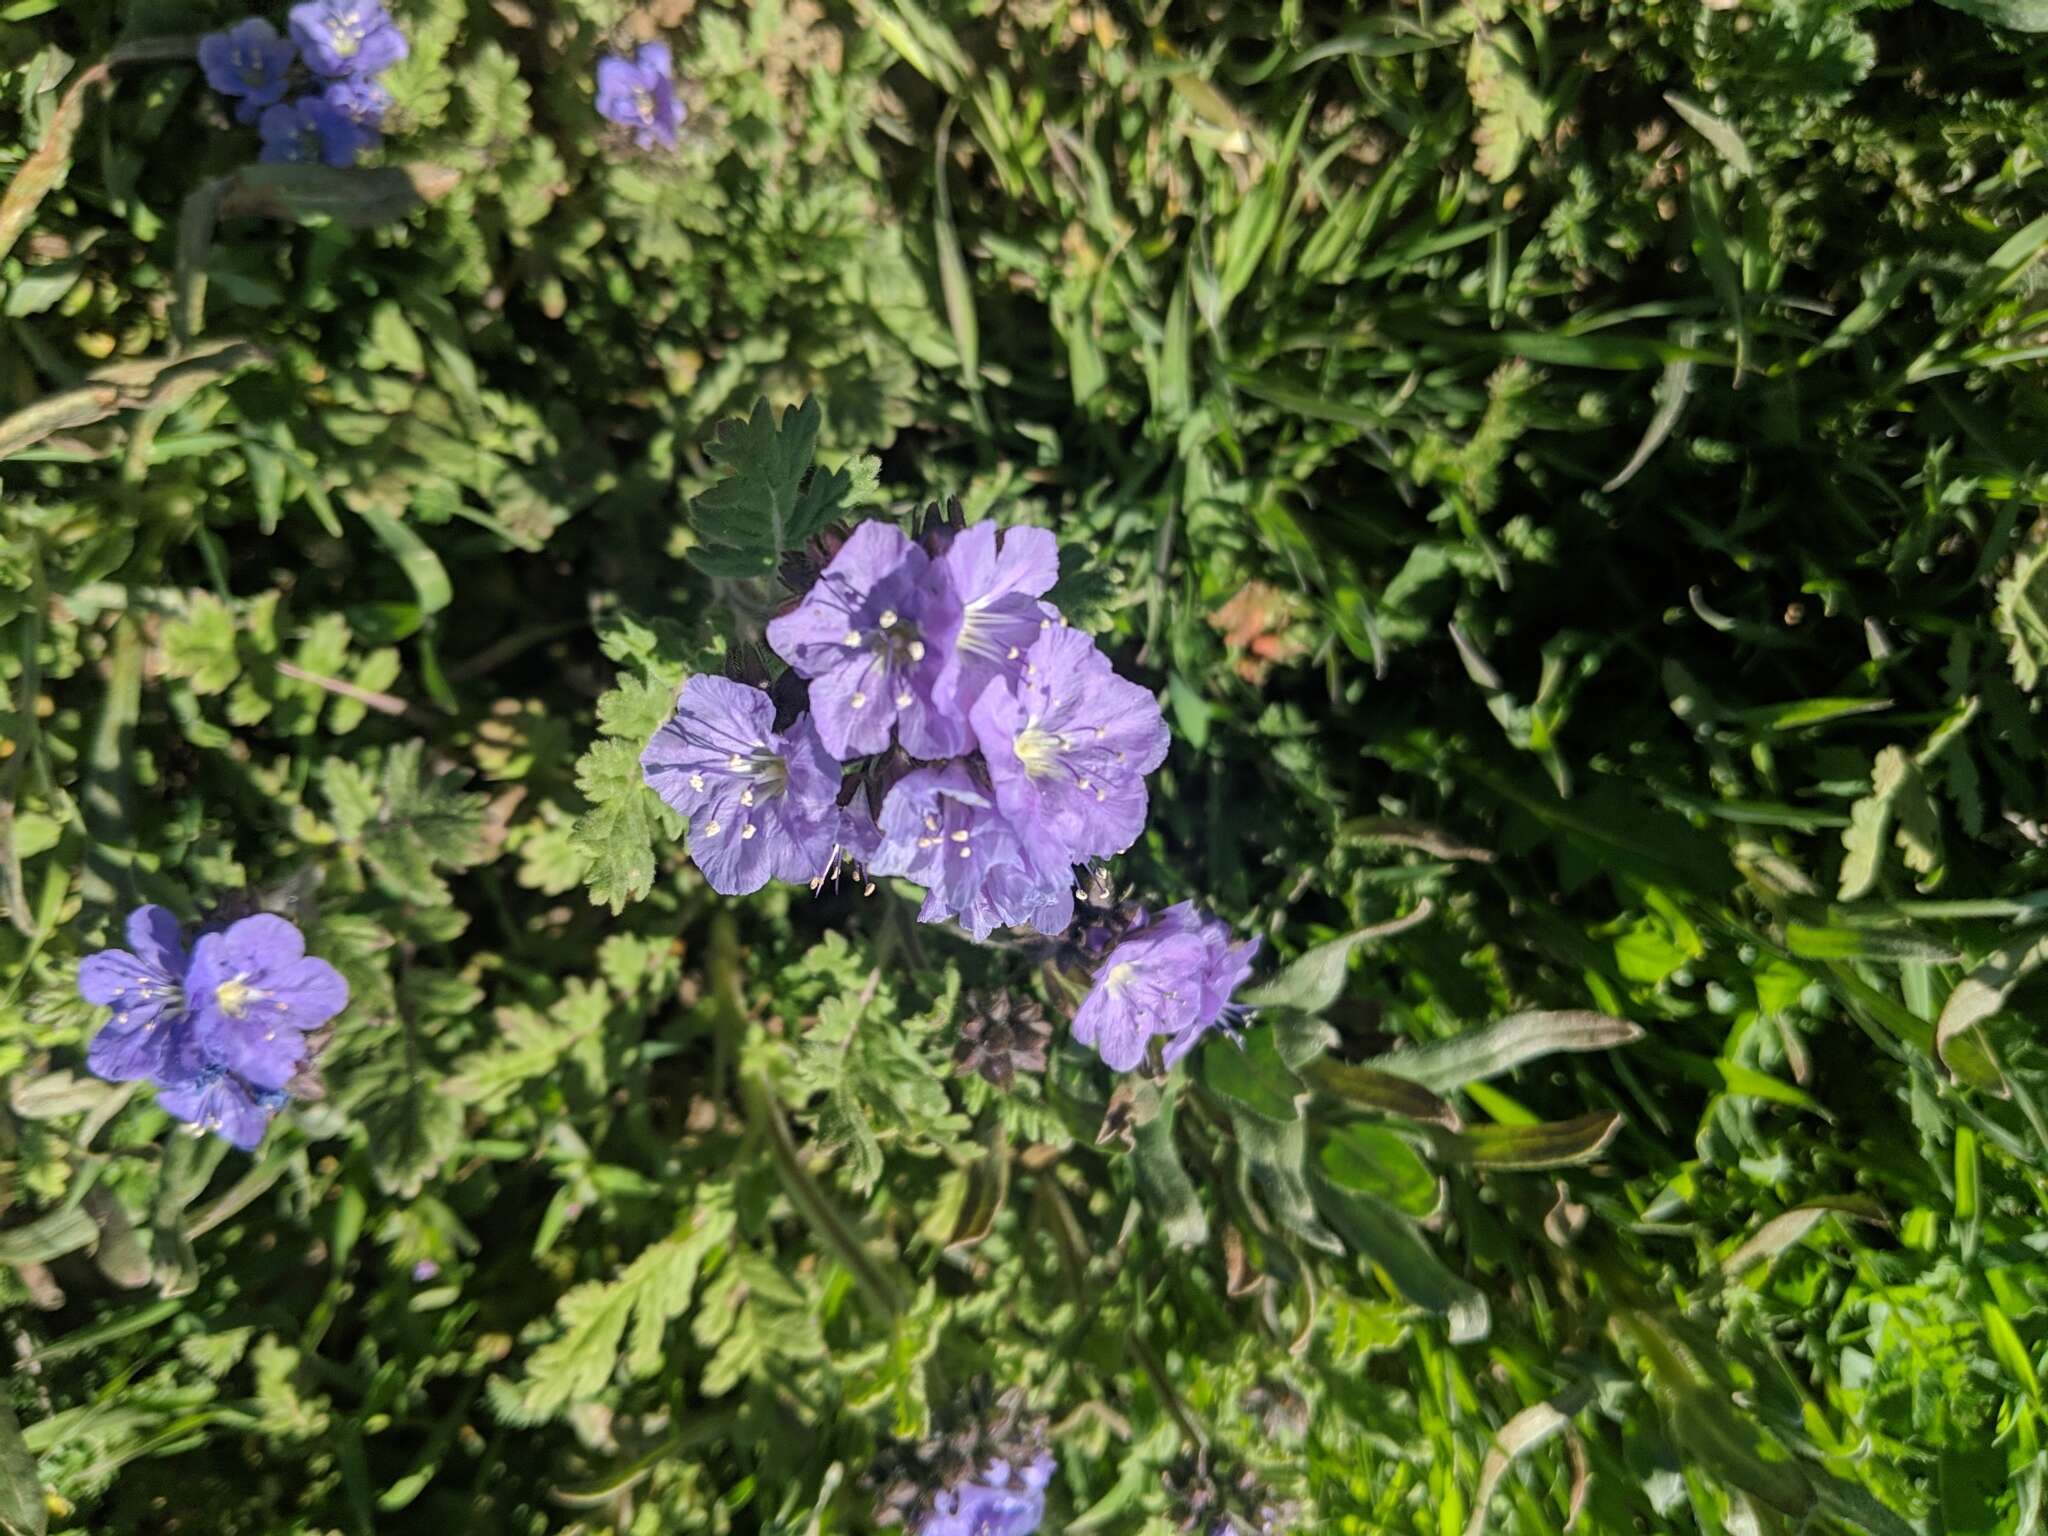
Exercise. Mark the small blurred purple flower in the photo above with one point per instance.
(941, 830)
(341, 38)
(363, 102)
(424, 1271)
(150, 1033)
(995, 582)
(1170, 979)
(256, 994)
(250, 62)
(762, 804)
(1068, 746)
(639, 94)
(860, 636)
(1001, 1501)
(309, 131)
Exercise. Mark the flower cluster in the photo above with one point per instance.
(226, 1031)
(1170, 978)
(638, 92)
(987, 1478)
(1217, 1501)
(345, 45)
(1001, 1500)
(1003, 748)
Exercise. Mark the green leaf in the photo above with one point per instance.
(1373, 1160)
(411, 1133)
(200, 647)
(1876, 945)
(732, 564)
(425, 822)
(1500, 1048)
(1717, 131)
(1734, 1446)
(1252, 1076)
(1748, 1082)
(1163, 1184)
(1312, 981)
(306, 194)
(1737, 1449)
(1533, 1426)
(1790, 1227)
(636, 707)
(50, 1236)
(649, 1293)
(1275, 1156)
(894, 1373)
(2020, 15)
(616, 835)
(1388, 1240)
(754, 508)
(526, 1045)
(2010, 1349)
(1958, 1040)
(421, 565)
(1511, 113)
(1381, 1092)
(1553, 1144)
(158, 384)
(23, 1510)
(2021, 614)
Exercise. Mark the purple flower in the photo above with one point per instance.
(255, 995)
(223, 1101)
(1068, 746)
(995, 581)
(311, 132)
(346, 37)
(941, 830)
(860, 636)
(639, 93)
(249, 61)
(222, 1031)
(1002, 1501)
(762, 804)
(151, 1031)
(362, 101)
(1171, 978)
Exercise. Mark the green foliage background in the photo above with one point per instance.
(1635, 415)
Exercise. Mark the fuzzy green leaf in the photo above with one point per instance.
(649, 1293)
(616, 835)
(755, 507)
(426, 822)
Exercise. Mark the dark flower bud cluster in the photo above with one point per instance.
(344, 45)
(1003, 1035)
(1207, 1499)
(228, 1031)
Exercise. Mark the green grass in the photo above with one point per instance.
(1615, 432)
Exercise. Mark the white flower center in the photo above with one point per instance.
(234, 995)
(1038, 751)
